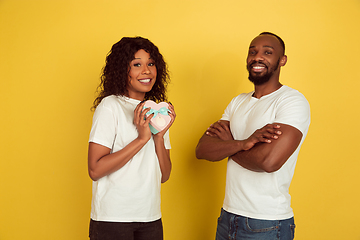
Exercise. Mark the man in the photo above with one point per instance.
(261, 133)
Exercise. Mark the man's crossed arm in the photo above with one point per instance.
(267, 149)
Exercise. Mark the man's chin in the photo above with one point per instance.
(259, 80)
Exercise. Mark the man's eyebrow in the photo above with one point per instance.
(266, 46)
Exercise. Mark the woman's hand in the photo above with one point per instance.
(162, 153)
(172, 115)
(142, 121)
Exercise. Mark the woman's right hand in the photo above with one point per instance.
(142, 121)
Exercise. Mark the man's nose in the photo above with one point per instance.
(258, 57)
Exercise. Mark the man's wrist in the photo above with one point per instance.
(240, 145)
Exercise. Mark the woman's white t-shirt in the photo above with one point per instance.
(132, 193)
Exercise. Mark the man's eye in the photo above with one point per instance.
(268, 52)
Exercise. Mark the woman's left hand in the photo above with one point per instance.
(172, 115)
(162, 153)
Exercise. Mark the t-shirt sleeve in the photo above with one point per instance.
(294, 111)
(228, 111)
(103, 128)
(167, 140)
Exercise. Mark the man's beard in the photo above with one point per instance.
(259, 80)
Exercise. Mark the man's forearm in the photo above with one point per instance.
(270, 157)
(215, 149)
(253, 159)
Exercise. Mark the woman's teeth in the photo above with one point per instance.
(144, 80)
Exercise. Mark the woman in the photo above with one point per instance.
(126, 162)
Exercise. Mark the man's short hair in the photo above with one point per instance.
(279, 38)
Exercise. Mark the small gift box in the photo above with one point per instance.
(161, 117)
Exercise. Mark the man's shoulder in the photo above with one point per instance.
(242, 96)
(288, 92)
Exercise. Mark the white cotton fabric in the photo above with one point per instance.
(132, 193)
(263, 195)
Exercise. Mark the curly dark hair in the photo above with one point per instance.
(115, 74)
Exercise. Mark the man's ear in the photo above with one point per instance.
(283, 60)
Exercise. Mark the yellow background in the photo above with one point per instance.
(51, 55)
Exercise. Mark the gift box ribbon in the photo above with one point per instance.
(163, 111)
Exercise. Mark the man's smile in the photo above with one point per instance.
(258, 67)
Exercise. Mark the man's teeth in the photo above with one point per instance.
(144, 80)
(257, 67)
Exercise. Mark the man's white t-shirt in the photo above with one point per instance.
(132, 193)
(263, 195)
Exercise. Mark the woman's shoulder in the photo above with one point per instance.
(115, 102)
(109, 101)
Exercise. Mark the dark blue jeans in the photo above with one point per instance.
(235, 227)
(126, 231)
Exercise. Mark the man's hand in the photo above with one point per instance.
(265, 134)
(220, 129)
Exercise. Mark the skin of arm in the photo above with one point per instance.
(102, 163)
(218, 143)
(270, 157)
(257, 154)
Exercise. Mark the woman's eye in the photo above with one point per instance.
(268, 52)
(137, 65)
(151, 64)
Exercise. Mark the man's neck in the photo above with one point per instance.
(266, 88)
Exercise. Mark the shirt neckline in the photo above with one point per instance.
(267, 95)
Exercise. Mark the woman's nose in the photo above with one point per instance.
(146, 69)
